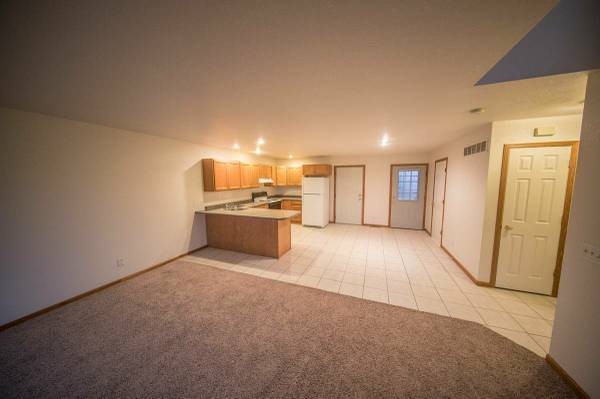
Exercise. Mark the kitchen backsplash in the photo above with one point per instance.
(213, 197)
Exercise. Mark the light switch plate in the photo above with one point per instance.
(591, 252)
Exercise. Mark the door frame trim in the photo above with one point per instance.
(362, 210)
(426, 165)
(433, 198)
(574, 144)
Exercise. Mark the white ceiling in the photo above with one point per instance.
(312, 78)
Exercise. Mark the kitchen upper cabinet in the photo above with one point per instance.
(214, 175)
(281, 176)
(255, 175)
(294, 176)
(265, 172)
(320, 170)
(246, 171)
(220, 176)
(234, 176)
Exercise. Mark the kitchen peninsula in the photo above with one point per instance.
(250, 229)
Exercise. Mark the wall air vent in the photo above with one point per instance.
(475, 148)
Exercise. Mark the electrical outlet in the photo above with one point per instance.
(120, 263)
(591, 252)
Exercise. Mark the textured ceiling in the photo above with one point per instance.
(312, 78)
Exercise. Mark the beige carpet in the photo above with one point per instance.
(187, 330)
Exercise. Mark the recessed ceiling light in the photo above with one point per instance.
(260, 141)
(290, 156)
(236, 146)
(477, 110)
(385, 140)
(257, 150)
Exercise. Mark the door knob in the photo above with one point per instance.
(507, 227)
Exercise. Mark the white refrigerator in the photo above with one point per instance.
(315, 201)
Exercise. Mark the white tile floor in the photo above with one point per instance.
(400, 267)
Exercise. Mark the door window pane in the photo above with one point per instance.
(408, 185)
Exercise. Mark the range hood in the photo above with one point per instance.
(265, 181)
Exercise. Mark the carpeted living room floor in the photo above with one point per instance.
(189, 330)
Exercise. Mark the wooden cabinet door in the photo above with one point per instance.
(308, 170)
(234, 176)
(286, 204)
(281, 176)
(294, 176)
(246, 172)
(254, 174)
(296, 206)
(220, 171)
(265, 172)
(322, 170)
(316, 170)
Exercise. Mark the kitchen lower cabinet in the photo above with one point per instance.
(293, 205)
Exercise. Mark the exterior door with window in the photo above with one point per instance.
(407, 205)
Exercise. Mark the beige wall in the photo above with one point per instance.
(511, 132)
(377, 180)
(76, 197)
(576, 334)
(465, 197)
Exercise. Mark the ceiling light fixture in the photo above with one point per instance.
(290, 156)
(385, 140)
(236, 146)
(477, 110)
(260, 141)
(257, 150)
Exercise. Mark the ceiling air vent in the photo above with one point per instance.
(475, 148)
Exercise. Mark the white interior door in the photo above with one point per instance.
(408, 196)
(349, 194)
(439, 196)
(536, 184)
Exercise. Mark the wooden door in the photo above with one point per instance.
(220, 172)
(536, 184)
(439, 198)
(234, 176)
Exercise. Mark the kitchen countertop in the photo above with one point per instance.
(249, 203)
(254, 213)
(287, 197)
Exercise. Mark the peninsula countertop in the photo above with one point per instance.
(253, 212)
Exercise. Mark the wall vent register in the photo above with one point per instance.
(475, 148)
